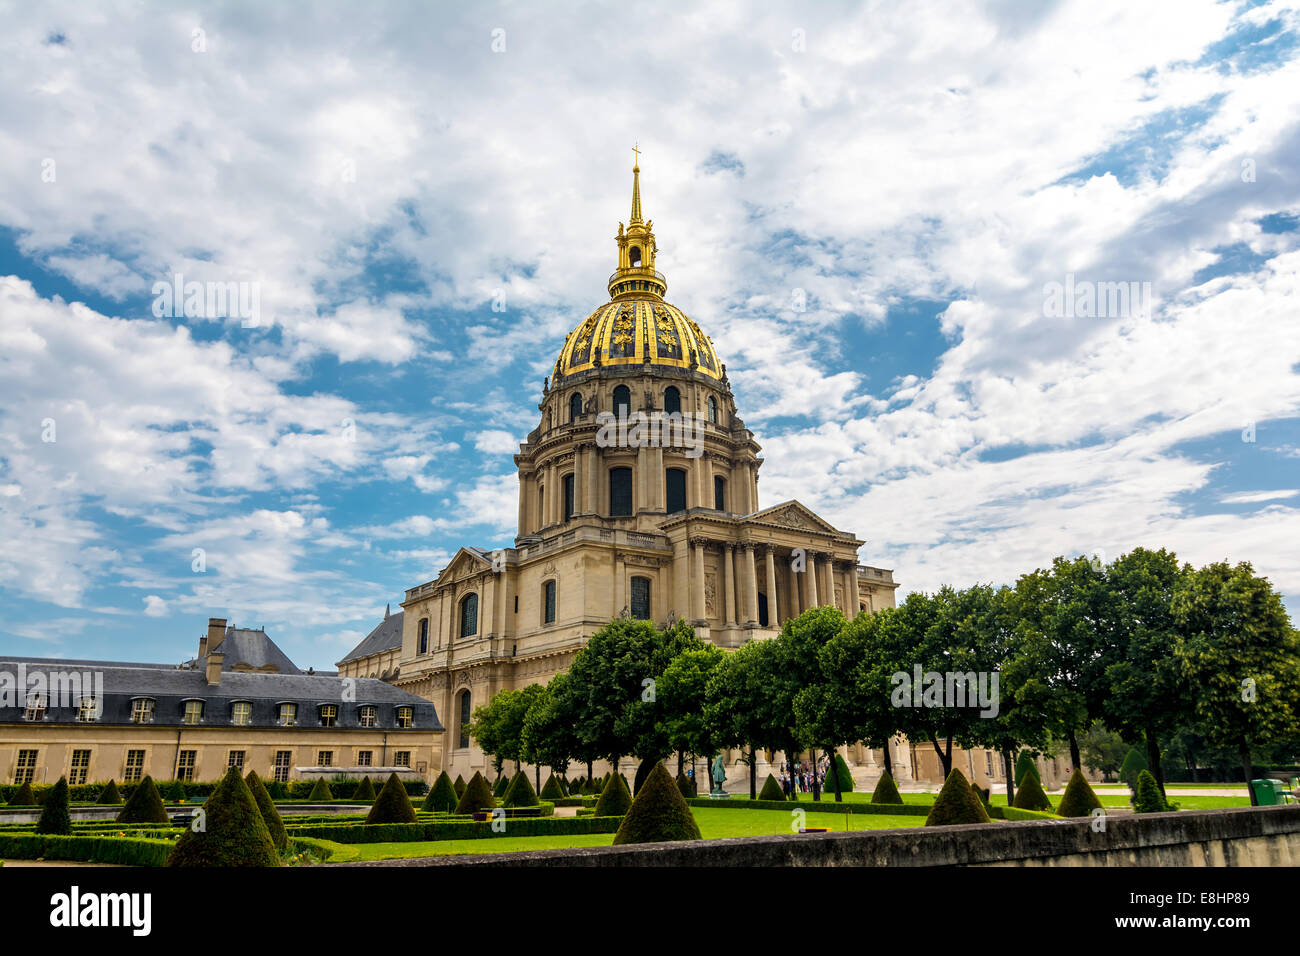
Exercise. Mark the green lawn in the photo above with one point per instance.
(715, 823)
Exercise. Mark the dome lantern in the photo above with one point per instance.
(636, 275)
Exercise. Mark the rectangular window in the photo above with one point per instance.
(402, 758)
(185, 764)
(282, 761)
(35, 709)
(87, 710)
(193, 711)
(988, 762)
(568, 497)
(134, 766)
(719, 493)
(675, 490)
(423, 647)
(405, 717)
(325, 758)
(329, 714)
(142, 711)
(241, 713)
(548, 601)
(26, 766)
(80, 766)
(236, 759)
(288, 715)
(641, 599)
(363, 758)
(620, 491)
(369, 716)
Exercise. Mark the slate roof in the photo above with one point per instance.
(385, 637)
(170, 687)
(252, 647)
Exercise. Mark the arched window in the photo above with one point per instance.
(634, 256)
(541, 506)
(469, 615)
(462, 707)
(622, 402)
(641, 599)
(568, 497)
(713, 410)
(719, 493)
(423, 643)
(620, 491)
(548, 602)
(672, 400)
(575, 407)
(675, 486)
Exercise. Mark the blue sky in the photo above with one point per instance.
(425, 200)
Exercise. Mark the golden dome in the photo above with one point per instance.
(637, 327)
(637, 331)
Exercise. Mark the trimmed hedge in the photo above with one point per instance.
(443, 795)
(234, 833)
(998, 812)
(366, 790)
(456, 829)
(126, 851)
(956, 804)
(23, 796)
(1030, 796)
(552, 790)
(321, 790)
(813, 806)
(841, 771)
(1134, 763)
(615, 798)
(54, 816)
(1149, 797)
(144, 805)
(270, 815)
(501, 786)
(1025, 764)
(771, 789)
(685, 787)
(392, 805)
(520, 793)
(460, 786)
(477, 796)
(659, 813)
(109, 795)
(1078, 799)
(886, 791)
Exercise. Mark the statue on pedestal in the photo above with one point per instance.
(719, 775)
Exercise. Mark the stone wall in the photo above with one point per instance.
(1268, 836)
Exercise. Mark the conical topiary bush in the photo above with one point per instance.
(1149, 797)
(552, 789)
(520, 793)
(684, 786)
(1079, 800)
(501, 786)
(54, 812)
(365, 791)
(266, 807)
(1030, 796)
(477, 796)
(321, 790)
(614, 799)
(842, 772)
(144, 805)
(956, 804)
(1134, 763)
(1025, 764)
(659, 813)
(442, 798)
(459, 786)
(109, 795)
(393, 805)
(23, 796)
(231, 830)
(771, 789)
(886, 791)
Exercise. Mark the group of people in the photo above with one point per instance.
(803, 777)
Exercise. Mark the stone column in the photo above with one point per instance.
(810, 580)
(658, 481)
(697, 586)
(855, 596)
(730, 558)
(523, 504)
(751, 586)
(703, 474)
(681, 592)
(792, 580)
(773, 615)
(620, 575)
(825, 580)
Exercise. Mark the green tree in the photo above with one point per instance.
(1102, 750)
(742, 704)
(1133, 764)
(232, 831)
(548, 735)
(1240, 655)
(682, 691)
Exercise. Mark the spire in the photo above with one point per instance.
(636, 187)
(386, 607)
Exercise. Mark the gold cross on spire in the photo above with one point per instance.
(636, 149)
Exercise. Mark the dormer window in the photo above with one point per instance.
(288, 715)
(142, 710)
(369, 716)
(329, 715)
(35, 708)
(192, 712)
(87, 710)
(405, 717)
(241, 713)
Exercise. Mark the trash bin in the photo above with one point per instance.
(1266, 792)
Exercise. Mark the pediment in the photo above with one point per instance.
(465, 564)
(796, 516)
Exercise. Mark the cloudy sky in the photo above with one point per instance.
(869, 207)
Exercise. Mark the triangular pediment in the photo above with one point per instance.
(468, 561)
(794, 515)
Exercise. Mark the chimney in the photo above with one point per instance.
(214, 667)
(216, 634)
